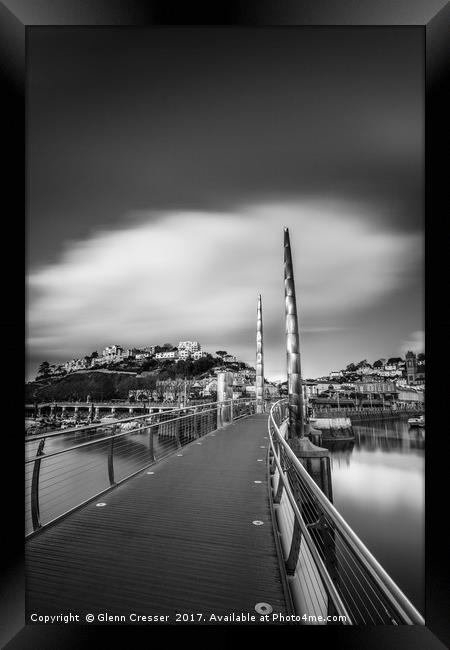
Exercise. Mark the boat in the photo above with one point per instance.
(417, 422)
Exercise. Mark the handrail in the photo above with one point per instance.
(88, 427)
(116, 435)
(116, 457)
(395, 596)
(337, 600)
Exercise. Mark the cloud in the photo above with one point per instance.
(415, 342)
(197, 275)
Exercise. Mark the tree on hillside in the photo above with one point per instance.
(94, 355)
(149, 364)
(44, 368)
(351, 367)
(362, 363)
(221, 353)
(394, 360)
(168, 346)
(203, 365)
(379, 363)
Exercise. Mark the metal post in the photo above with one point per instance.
(224, 392)
(295, 395)
(153, 429)
(259, 359)
(35, 513)
(111, 460)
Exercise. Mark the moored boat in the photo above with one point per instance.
(417, 422)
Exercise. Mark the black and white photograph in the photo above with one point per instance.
(225, 326)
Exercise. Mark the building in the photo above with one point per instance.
(113, 353)
(370, 386)
(322, 387)
(198, 354)
(190, 346)
(410, 397)
(310, 388)
(76, 364)
(210, 387)
(366, 369)
(270, 391)
(373, 390)
(142, 355)
(112, 350)
(168, 354)
(98, 361)
(190, 349)
(390, 371)
(229, 358)
(411, 367)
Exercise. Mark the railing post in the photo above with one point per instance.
(111, 460)
(291, 562)
(279, 492)
(35, 512)
(151, 446)
(197, 422)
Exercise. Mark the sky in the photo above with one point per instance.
(164, 164)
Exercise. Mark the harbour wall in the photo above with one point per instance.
(334, 428)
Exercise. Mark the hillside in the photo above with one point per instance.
(115, 383)
(100, 385)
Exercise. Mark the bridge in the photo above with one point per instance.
(94, 409)
(212, 513)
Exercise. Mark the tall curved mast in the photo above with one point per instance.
(294, 375)
(259, 359)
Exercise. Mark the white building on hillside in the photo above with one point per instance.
(168, 354)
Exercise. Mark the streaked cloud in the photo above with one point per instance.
(415, 342)
(196, 275)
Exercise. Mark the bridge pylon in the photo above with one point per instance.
(259, 387)
(298, 428)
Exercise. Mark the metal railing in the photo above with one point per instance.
(362, 413)
(67, 468)
(338, 574)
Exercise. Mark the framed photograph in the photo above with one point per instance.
(227, 221)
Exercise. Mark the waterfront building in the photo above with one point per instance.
(311, 388)
(411, 367)
(410, 396)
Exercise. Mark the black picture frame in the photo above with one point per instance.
(17, 16)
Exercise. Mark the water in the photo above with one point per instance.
(379, 488)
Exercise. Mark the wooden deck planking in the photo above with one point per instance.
(180, 540)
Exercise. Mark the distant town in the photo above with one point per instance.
(168, 373)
